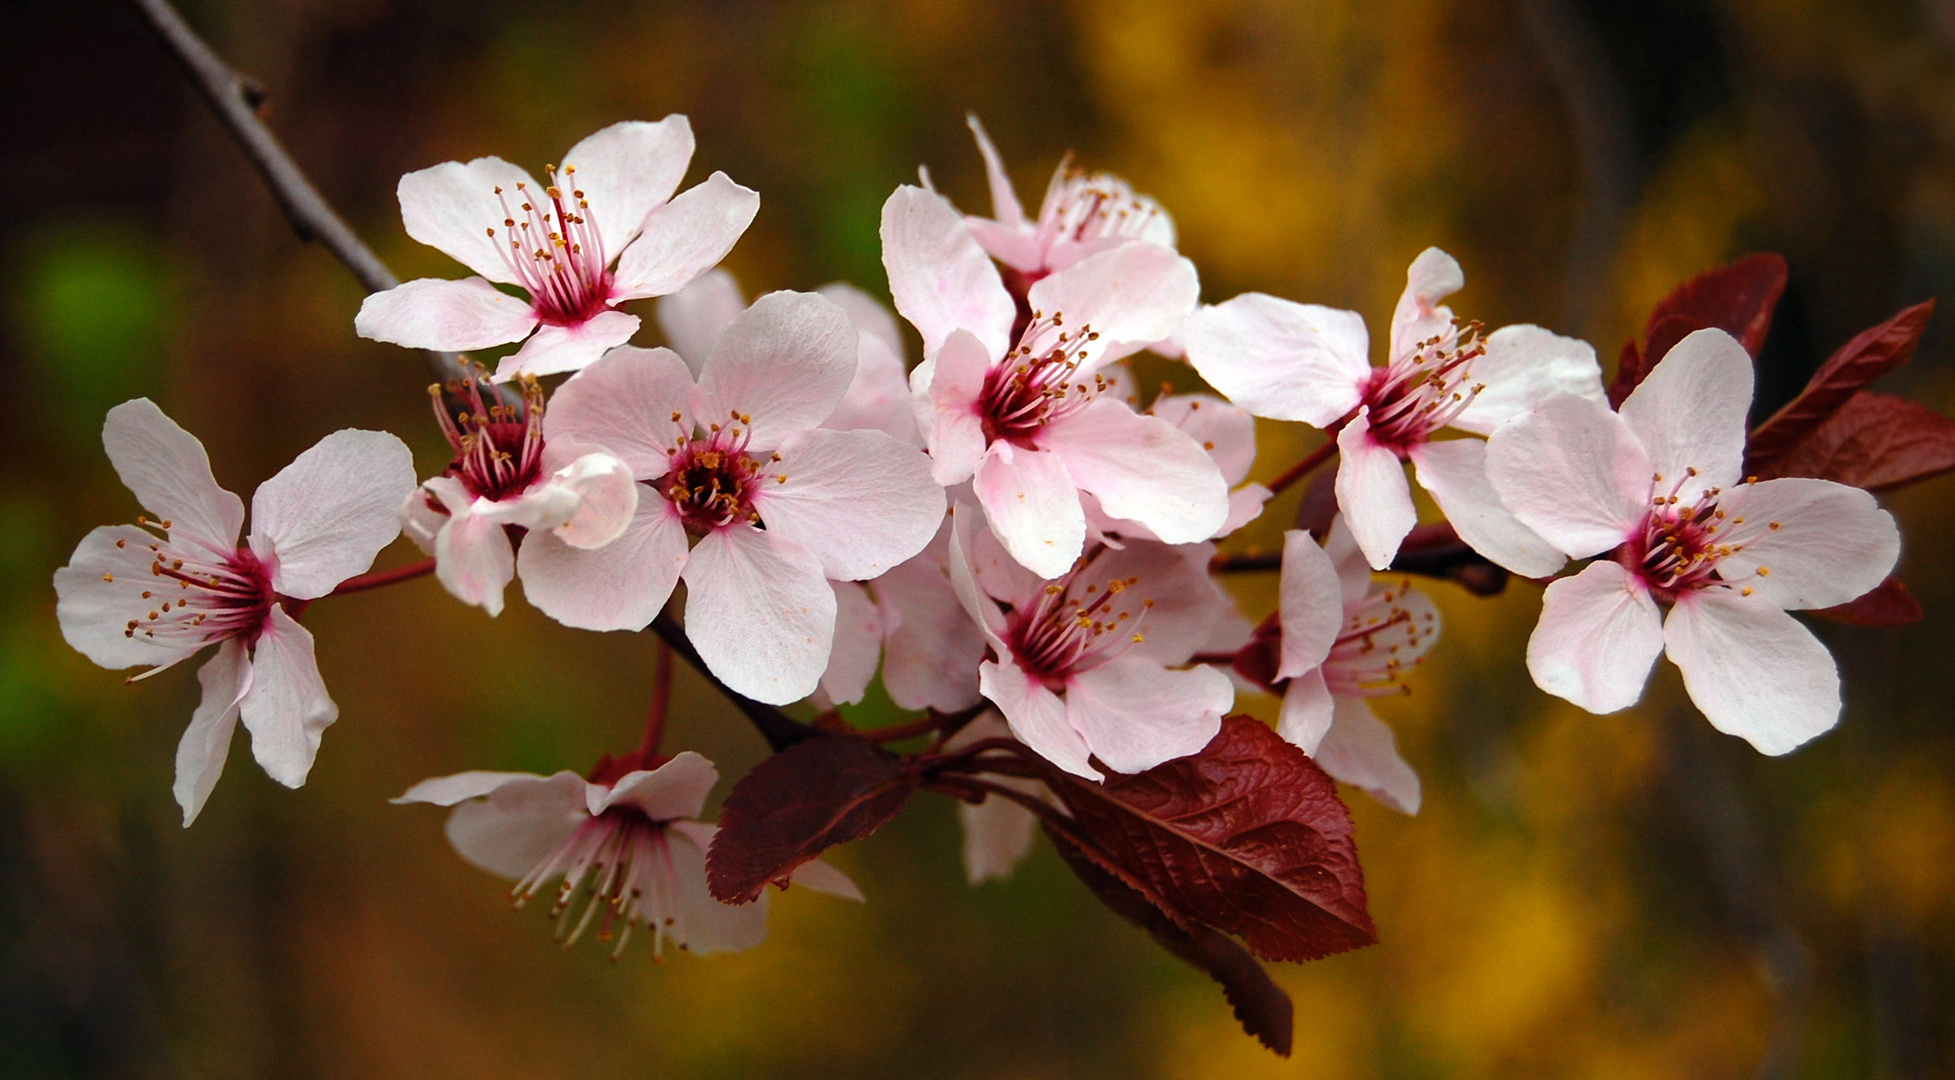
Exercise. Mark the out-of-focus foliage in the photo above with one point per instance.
(1586, 897)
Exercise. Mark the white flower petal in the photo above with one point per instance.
(1373, 493)
(868, 314)
(878, 398)
(1754, 671)
(857, 650)
(473, 560)
(620, 586)
(955, 434)
(1523, 366)
(1455, 473)
(1136, 714)
(286, 708)
(1037, 716)
(676, 789)
(1572, 472)
(325, 516)
(627, 169)
(453, 208)
(1310, 605)
(702, 924)
(522, 821)
(1005, 208)
(1032, 504)
(166, 468)
(1227, 431)
(1360, 750)
(448, 316)
(1308, 711)
(931, 646)
(684, 238)
(784, 363)
(693, 318)
(556, 348)
(939, 277)
(1690, 413)
(459, 787)
(606, 497)
(1432, 277)
(101, 589)
(1141, 468)
(1807, 543)
(1131, 295)
(625, 403)
(1599, 633)
(206, 743)
(1279, 359)
(859, 501)
(760, 612)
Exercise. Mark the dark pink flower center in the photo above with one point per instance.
(195, 596)
(1424, 390)
(554, 250)
(1679, 545)
(498, 445)
(711, 481)
(1077, 623)
(1038, 382)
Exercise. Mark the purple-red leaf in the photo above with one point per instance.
(1247, 836)
(1872, 353)
(1887, 604)
(1738, 298)
(1873, 441)
(793, 806)
(1261, 1006)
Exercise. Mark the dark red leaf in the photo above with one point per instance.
(1258, 660)
(1630, 371)
(1261, 1006)
(1873, 441)
(1872, 353)
(1888, 604)
(1247, 836)
(811, 796)
(1737, 298)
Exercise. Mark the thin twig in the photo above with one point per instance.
(1305, 467)
(234, 99)
(661, 702)
(379, 578)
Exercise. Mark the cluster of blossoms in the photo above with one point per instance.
(1025, 552)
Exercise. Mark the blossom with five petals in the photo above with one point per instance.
(604, 230)
(1304, 362)
(1024, 415)
(774, 504)
(1087, 666)
(1659, 489)
(506, 475)
(622, 845)
(130, 596)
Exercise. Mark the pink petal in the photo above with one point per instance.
(1132, 294)
(1245, 505)
(1432, 277)
(956, 431)
(1143, 469)
(627, 169)
(702, 924)
(1005, 208)
(286, 708)
(857, 650)
(473, 560)
(818, 876)
(1186, 601)
(1136, 714)
(1307, 710)
(459, 787)
(693, 318)
(1372, 493)
(1225, 430)
(685, 238)
(1016, 247)
(101, 589)
(932, 648)
(324, 517)
(452, 207)
(449, 316)
(1754, 671)
(1598, 635)
(781, 367)
(625, 403)
(1310, 604)
(959, 559)
(166, 469)
(620, 586)
(1353, 570)
(1037, 716)
(998, 834)
(1524, 366)
(859, 501)
(521, 822)
(1360, 750)
(1279, 359)
(555, 349)
(1818, 543)
(606, 497)
(206, 743)
(1690, 413)
(1033, 507)
(1573, 473)
(878, 398)
(676, 789)
(1455, 473)
(939, 277)
(760, 612)
(868, 314)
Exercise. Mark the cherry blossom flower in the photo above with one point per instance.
(506, 476)
(1083, 214)
(1087, 666)
(1025, 417)
(1228, 432)
(162, 590)
(1307, 363)
(1343, 639)
(911, 623)
(741, 494)
(1658, 489)
(622, 845)
(605, 229)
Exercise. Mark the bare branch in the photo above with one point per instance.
(235, 98)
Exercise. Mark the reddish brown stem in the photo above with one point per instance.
(903, 731)
(1305, 467)
(384, 577)
(661, 702)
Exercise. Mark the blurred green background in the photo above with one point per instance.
(1628, 896)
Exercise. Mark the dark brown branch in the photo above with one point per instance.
(235, 98)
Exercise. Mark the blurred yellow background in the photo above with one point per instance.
(1628, 896)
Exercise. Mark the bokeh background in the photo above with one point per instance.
(1627, 896)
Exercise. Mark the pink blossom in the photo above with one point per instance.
(1227, 431)
(1087, 666)
(604, 230)
(160, 591)
(622, 845)
(1083, 214)
(1023, 414)
(1307, 363)
(741, 493)
(1345, 639)
(1658, 488)
(505, 476)
(911, 623)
